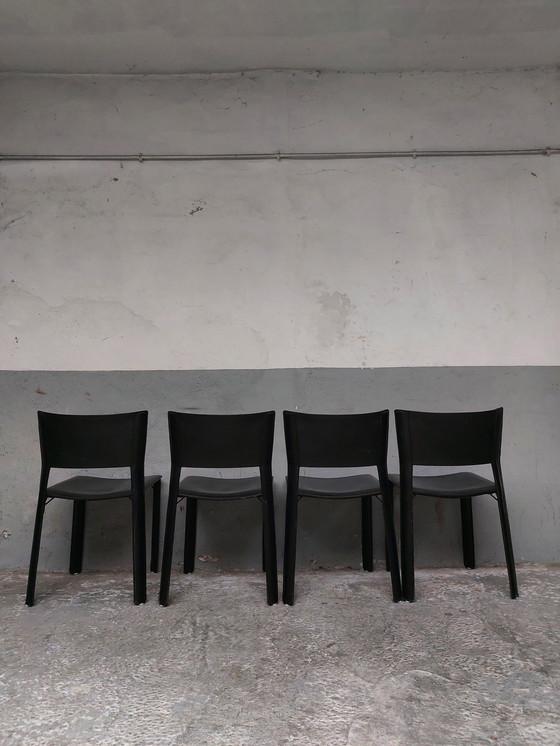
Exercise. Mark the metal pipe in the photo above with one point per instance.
(359, 155)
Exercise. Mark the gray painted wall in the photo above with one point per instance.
(329, 531)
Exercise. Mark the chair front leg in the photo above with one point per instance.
(77, 541)
(156, 507)
(367, 534)
(467, 531)
(191, 517)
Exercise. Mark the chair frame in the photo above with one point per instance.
(66, 443)
(469, 438)
(248, 443)
(374, 454)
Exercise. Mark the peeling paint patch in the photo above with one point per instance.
(6, 534)
(336, 310)
(208, 558)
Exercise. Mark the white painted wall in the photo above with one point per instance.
(180, 36)
(275, 265)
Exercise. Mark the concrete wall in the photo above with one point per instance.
(445, 269)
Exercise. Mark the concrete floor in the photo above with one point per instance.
(463, 665)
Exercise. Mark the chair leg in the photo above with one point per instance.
(167, 556)
(33, 562)
(367, 534)
(269, 533)
(407, 544)
(290, 539)
(139, 544)
(391, 544)
(190, 534)
(77, 541)
(506, 536)
(391, 513)
(263, 547)
(467, 531)
(156, 502)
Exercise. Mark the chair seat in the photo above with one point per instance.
(219, 488)
(462, 484)
(356, 485)
(96, 488)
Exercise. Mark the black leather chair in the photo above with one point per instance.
(219, 441)
(450, 439)
(339, 441)
(97, 442)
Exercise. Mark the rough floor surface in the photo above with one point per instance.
(462, 665)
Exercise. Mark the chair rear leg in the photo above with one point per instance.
(407, 545)
(156, 506)
(290, 539)
(33, 562)
(391, 513)
(139, 545)
(77, 541)
(391, 545)
(167, 556)
(367, 534)
(269, 533)
(467, 531)
(508, 546)
(190, 534)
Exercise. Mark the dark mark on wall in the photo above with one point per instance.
(17, 340)
(40, 391)
(195, 210)
(11, 222)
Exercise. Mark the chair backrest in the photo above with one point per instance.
(221, 440)
(336, 440)
(449, 438)
(93, 441)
